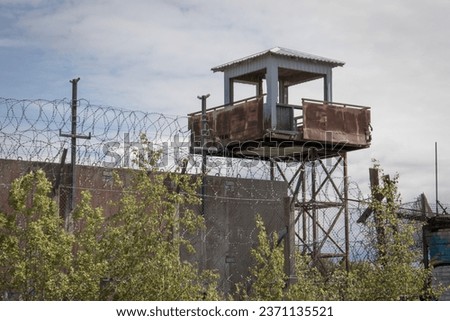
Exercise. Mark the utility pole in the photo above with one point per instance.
(204, 133)
(73, 135)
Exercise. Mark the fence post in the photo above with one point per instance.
(73, 135)
(204, 133)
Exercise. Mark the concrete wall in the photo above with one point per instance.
(97, 180)
(231, 206)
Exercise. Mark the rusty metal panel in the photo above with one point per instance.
(241, 122)
(336, 124)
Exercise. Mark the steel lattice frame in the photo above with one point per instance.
(319, 207)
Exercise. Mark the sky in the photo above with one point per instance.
(156, 56)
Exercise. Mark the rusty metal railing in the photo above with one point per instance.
(228, 105)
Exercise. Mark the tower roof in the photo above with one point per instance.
(284, 52)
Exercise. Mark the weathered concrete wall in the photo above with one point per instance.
(231, 206)
(97, 180)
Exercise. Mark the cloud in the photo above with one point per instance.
(157, 55)
(21, 3)
(11, 43)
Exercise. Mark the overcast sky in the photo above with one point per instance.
(156, 56)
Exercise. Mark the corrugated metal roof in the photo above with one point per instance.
(279, 51)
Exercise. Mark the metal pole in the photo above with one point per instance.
(73, 154)
(272, 170)
(436, 176)
(73, 135)
(346, 214)
(314, 209)
(304, 218)
(204, 133)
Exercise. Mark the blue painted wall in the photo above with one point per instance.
(439, 246)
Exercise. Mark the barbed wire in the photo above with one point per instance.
(30, 131)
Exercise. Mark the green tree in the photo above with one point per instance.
(89, 264)
(144, 238)
(267, 276)
(395, 273)
(310, 284)
(35, 251)
(131, 255)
